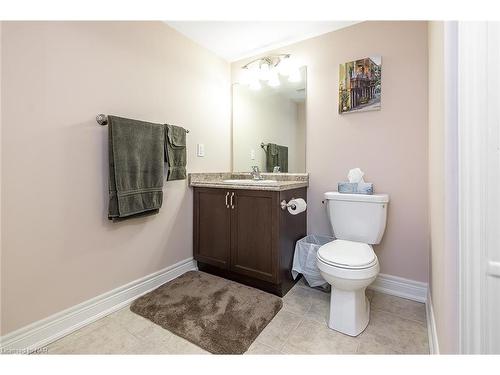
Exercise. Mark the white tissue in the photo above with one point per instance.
(355, 175)
(297, 206)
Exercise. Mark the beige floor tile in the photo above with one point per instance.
(160, 340)
(316, 338)
(178, 345)
(152, 347)
(402, 307)
(154, 332)
(401, 335)
(396, 326)
(109, 338)
(371, 344)
(299, 299)
(130, 321)
(156, 339)
(320, 308)
(74, 336)
(258, 348)
(278, 329)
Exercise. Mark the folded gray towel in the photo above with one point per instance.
(135, 167)
(175, 152)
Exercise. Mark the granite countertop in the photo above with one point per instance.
(283, 181)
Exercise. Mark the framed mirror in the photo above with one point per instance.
(269, 124)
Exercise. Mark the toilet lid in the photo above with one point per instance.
(347, 254)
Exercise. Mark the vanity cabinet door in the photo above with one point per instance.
(212, 227)
(254, 234)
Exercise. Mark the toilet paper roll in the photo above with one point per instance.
(296, 206)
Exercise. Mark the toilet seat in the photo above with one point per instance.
(347, 254)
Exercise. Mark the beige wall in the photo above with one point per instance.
(1, 281)
(58, 247)
(265, 117)
(444, 253)
(390, 145)
(300, 151)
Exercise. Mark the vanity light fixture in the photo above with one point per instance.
(269, 69)
(255, 85)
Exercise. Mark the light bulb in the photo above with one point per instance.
(273, 79)
(254, 74)
(295, 76)
(264, 72)
(255, 85)
(284, 66)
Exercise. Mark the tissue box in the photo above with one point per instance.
(355, 188)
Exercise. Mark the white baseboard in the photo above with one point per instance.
(431, 326)
(45, 331)
(400, 287)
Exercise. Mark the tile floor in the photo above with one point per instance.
(397, 326)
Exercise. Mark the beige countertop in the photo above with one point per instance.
(283, 181)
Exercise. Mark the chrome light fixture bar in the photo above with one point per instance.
(271, 60)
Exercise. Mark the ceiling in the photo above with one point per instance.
(236, 40)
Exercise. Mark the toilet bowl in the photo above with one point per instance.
(349, 277)
(349, 263)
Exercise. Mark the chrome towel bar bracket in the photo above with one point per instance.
(102, 119)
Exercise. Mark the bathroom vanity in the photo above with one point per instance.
(241, 232)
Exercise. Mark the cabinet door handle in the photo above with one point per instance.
(227, 195)
(232, 204)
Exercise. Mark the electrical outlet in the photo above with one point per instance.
(252, 154)
(200, 150)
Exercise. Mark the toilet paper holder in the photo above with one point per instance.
(284, 205)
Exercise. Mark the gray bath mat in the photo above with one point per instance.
(218, 315)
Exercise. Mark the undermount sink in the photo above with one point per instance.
(250, 182)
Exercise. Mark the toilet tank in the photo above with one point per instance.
(357, 217)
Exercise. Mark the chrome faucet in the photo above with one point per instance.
(256, 173)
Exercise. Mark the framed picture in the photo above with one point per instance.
(360, 85)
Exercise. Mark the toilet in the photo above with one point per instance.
(349, 263)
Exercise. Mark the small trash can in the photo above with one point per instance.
(304, 259)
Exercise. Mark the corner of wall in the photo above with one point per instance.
(431, 325)
(1, 273)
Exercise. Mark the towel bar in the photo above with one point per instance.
(103, 120)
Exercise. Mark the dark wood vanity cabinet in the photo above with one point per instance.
(212, 240)
(244, 235)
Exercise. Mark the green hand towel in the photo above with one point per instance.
(135, 167)
(276, 155)
(271, 156)
(283, 158)
(175, 152)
